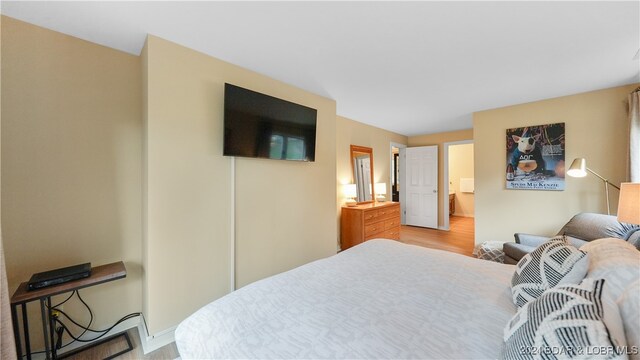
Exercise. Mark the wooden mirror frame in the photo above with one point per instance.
(355, 149)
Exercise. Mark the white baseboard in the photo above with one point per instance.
(154, 342)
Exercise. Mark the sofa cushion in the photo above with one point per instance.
(590, 226)
(552, 263)
(529, 239)
(634, 239)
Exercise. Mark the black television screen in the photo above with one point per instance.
(262, 126)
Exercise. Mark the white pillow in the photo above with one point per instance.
(629, 307)
(555, 262)
(618, 262)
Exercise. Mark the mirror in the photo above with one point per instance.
(362, 165)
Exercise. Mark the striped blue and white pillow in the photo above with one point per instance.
(569, 321)
(552, 263)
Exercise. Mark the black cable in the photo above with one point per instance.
(58, 344)
(85, 328)
(90, 314)
(127, 317)
(67, 299)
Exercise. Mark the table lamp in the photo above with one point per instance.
(381, 192)
(629, 203)
(350, 192)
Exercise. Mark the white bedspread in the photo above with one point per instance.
(381, 299)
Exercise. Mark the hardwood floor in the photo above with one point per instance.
(168, 352)
(459, 239)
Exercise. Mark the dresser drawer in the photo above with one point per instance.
(388, 213)
(379, 235)
(392, 223)
(392, 234)
(370, 216)
(373, 229)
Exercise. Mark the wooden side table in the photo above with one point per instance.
(22, 296)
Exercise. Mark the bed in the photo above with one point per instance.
(379, 300)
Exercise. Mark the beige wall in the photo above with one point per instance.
(7, 345)
(461, 166)
(350, 132)
(284, 211)
(439, 139)
(71, 155)
(595, 128)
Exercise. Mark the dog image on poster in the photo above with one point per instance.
(535, 157)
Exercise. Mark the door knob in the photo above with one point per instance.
(434, 191)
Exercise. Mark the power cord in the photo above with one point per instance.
(59, 331)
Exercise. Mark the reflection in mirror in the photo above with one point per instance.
(362, 165)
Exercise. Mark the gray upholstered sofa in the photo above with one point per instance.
(580, 229)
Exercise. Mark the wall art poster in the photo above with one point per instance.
(535, 157)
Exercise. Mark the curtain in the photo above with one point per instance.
(634, 136)
(7, 345)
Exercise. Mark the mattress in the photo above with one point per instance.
(378, 300)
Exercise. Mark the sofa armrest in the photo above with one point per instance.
(530, 240)
(516, 251)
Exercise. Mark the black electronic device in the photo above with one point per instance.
(59, 276)
(262, 126)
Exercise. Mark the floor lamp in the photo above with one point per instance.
(579, 168)
(629, 204)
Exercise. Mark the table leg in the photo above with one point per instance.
(25, 324)
(45, 322)
(51, 329)
(16, 329)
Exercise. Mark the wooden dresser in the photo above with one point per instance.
(369, 221)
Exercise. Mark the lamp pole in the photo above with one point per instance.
(606, 188)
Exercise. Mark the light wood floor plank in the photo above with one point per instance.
(459, 239)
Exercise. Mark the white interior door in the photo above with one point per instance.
(420, 186)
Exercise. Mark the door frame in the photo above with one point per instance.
(391, 146)
(445, 188)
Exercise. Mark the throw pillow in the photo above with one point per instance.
(569, 321)
(618, 262)
(552, 263)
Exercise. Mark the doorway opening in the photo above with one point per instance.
(459, 187)
(394, 176)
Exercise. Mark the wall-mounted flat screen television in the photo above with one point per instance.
(262, 126)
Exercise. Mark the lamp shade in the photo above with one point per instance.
(629, 203)
(578, 168)
(380, 188)
(349, 191)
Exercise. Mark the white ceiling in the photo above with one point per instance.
(409, 67)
